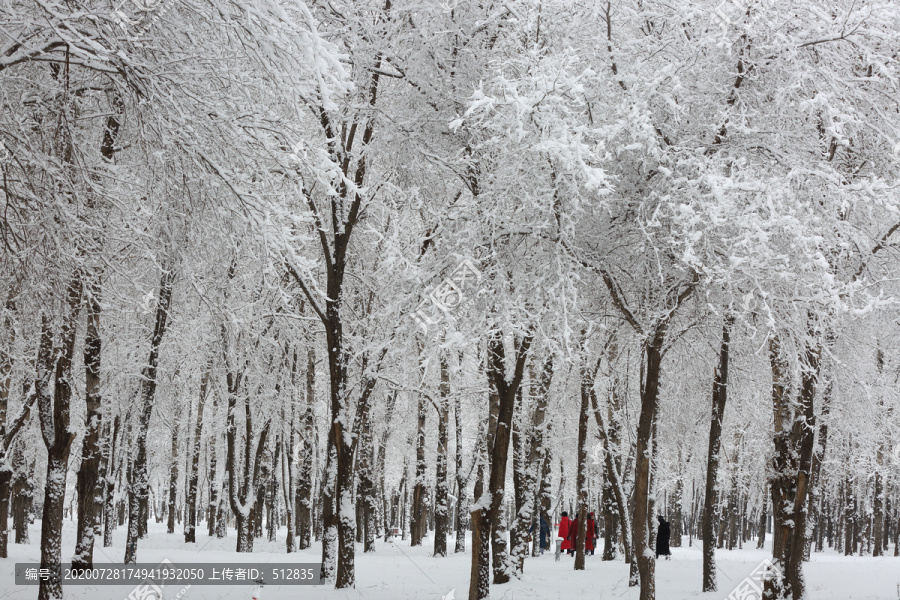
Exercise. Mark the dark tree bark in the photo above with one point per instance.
(329, 519)
(539, 453)
(288, 469)
(305, 478)
(365, 502)
(611, 467)
(346, 210)
(54, 410)
(462, 482)
(417, 517)
(480, 575)
(173, 470)
(677, 514)
(878, 496)
(587, 386)
(140, 482)
(242, 495)
(719, 398)
(89, 484)
(523, 491)
(763, 518)
(23, 494)
(644, 554)
(480, 571)
(190, 512)
(382, 450)
(442, 485)
(507, 390)
(5, 468)
(7, 439)
(272, 492)
(8, 432)
(794, 449)
(112, 471)
(815, 494)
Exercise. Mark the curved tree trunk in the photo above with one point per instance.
(140, 482)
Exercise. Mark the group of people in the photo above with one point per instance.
(568, 532)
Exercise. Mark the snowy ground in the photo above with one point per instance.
(398, 571)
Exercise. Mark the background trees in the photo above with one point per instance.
(266, 206)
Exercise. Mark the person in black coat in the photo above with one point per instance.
(662, 538)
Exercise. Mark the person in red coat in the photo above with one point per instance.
(590, 534)
(564, 526)
(573, 535)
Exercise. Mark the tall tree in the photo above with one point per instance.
(709, 515)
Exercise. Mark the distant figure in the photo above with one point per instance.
(545, 535)
(590, 534)
(573, 535)
(662, 538)
(564, 527)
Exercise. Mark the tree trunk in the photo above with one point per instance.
(190, 514)
(677, 514)
(794, 450)
(288, 468)
(365, 501)
(272, 492)
(763, 518)
(644, 555)
(113, 470)
(708, 518)
(523, 492)
(611, 467)
(305, 478)
(507, 391)
(462, 506)
(88, 484)
(342, 518)
(88, 481)
(815, 493)
(8, 432)
(212, 506)
(539, 454)
(140, 482)
(587, 385)
(381, 457)
(23, 495)
(417, 518)
(442, 487)
(329, 519)
(480, 571)
(54, 410)
(173, 470)
(242, 495)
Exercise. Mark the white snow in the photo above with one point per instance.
(397, 571)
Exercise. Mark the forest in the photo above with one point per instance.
(332, 280)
